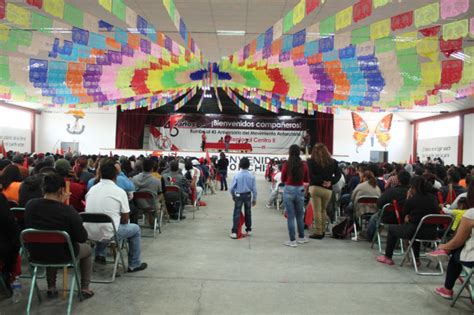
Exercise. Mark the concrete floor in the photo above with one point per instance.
(195, 268)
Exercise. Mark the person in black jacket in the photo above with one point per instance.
(420, 202)
(324, 172)
(222, 165)
(50, 213)
(9, 242)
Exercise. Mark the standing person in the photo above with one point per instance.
(306, 141)
(203, 141)
(294, 173)
(324, 172)
(244, 193)
(222, 165)
(227, 139)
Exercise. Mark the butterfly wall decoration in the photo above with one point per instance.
(362, 131)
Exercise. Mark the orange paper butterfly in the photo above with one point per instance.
(361, 130)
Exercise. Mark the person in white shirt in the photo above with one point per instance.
(106, 197)
(276, 181)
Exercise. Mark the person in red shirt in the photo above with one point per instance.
(203, 141)
(227, 139)
(294, 174)
(78, 190)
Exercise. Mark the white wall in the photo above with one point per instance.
(99, 132)
(344, 146)
(468, 146)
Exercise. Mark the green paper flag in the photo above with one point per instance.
(360, 35)
(73, 15)
(288, 22)
(118, 9)
(384, 44)
(327, 27)
(41, 22)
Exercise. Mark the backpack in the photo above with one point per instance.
(343, 229)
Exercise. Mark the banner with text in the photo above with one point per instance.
(15, 139)
(250, 134)
(445, 148)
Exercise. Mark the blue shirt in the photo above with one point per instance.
(122, 181)
(244, 182)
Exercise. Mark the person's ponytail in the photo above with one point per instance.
(369, 176)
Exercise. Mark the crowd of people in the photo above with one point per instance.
(54, 189)
(328, 187)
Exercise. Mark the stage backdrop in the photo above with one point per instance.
(265, 135)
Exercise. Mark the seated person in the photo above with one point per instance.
(10, 182)
(9, 242)
(398, 193)
(367, 187)
(275, 186)
(50, 213)
(461, 250)
(453, 188)
(78, 191)
(106, 197)
(192, 174)
(420, 202)
(145, 181)
(174, 177)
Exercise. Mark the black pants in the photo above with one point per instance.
(455, 267)
(8, 255)
(406, 232)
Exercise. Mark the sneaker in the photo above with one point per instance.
(100, 260)
(302, 240)
(291, 244)
(143, 266)
(438, 254)
(268, 206)
(445, 293)
(385, 260)
(233, 236)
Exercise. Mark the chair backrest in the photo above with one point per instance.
(96, 218)
(36, 237)
(367, 200)
(436, 219)
(18, 213)
(172, 188)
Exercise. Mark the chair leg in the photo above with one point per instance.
(32, 288)
(161, 220)
(406, 253)
(355, 231)
(71, 294)
(464, 285)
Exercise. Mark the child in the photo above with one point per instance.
(244, 192)
(458, 212)
(275, 186)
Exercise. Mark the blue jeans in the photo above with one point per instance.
(293, 197)
(223, 175)
(132, 233)
(239, 201)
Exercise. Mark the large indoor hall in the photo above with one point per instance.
(236, 157)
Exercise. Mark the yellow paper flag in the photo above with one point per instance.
(380, 29)
(54, 7)
(344, 18)
(4, 31)
(427, 15)
(430, 73)
(428, 47)
(18, 15)
(106, 4)
(468, 67)
(406, 40)
(380, 3)
(299, 12)
(455, 30)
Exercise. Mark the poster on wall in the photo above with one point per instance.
(445, 148)
(17, 140)
(247, 134)
(362, 131)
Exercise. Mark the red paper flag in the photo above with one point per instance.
(25, 162)
(361, 10)
(401, 21)
(61, 151)
(449, 47)
(451, 71)
(430, 31)
(2, 150)
(35, 3)
(309, 215)
(208, 158)
(2, 9)
(311, 5)
(57, 151)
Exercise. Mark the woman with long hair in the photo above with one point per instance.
(324, 172)
(10, 182)
(367, 187)
(293, 174)
(420, 202)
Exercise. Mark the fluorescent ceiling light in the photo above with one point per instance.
(230, 33)
(462, 56)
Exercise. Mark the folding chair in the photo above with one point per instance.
(466, 284)
(388, 208)
(430, 219)
(31, 237)
(175, 190)
(12, 204)
(363, 200)
(146, 202)
(194, 201)
(279, 199)
(101, 218)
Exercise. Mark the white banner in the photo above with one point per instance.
(445, 148)
(17, 140)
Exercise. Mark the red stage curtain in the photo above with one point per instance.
(324, 131)
(130, 127)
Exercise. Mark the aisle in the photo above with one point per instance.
(195, 268)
